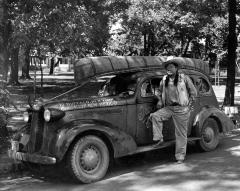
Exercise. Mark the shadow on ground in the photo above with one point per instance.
(217, 170)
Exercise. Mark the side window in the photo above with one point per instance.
(150, 87)
(202, 85)
(117, 86)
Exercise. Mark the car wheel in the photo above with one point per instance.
(88, 160)
(209, 135)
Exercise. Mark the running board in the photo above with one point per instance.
(163, 145)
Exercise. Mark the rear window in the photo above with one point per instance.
(202, 85)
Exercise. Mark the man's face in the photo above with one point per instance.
(171, 69)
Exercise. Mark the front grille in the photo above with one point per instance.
(36, 131)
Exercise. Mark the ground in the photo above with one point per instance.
(213, 171)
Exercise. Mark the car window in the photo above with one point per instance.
(87, 90)
(150, 87)
(202, 85)
(122, 86)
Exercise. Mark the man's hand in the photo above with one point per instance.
(159, 104)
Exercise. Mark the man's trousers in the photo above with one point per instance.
(180, 115)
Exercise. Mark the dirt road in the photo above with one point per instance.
(213, 171)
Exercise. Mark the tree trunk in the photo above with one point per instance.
(145, 44)
(151, 40)
(14, 67)
(26, 66)
(51, 66)
(182, 44)
(186, 48)
(35, 79)
(41, 60)
(5, 32)
(152, 37)
(145, 49)
(207, 48)
(148, 45)
(232, 44)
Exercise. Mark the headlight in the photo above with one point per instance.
(26, 116)
(47, 115)
(52, 114)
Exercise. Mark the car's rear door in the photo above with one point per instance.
(205, 96)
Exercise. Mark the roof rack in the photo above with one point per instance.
(89, 67)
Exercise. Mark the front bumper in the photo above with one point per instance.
(16, 153)
(34, 158)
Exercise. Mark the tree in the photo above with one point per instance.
(232, 44)
(166, 26)
(148, 27)
(13, 80)
(16, 41)
(5, 32)
(9, 37)
(26, 65)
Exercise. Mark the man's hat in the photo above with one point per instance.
(177, 62)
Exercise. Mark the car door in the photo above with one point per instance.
(204, 97)
(205, 92)
(195, 105)
(146, 104)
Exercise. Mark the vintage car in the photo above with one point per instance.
(105, 115)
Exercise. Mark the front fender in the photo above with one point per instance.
(206, 112)
(122, 143)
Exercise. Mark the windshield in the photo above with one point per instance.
(123, 86)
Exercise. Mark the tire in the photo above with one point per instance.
(88, 160)
(209, 135)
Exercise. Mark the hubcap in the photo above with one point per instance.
(89, 158)
(208, 135)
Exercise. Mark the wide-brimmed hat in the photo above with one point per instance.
(177, 62)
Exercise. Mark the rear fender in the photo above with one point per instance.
(225, 123)
(121, 143)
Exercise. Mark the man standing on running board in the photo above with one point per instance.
(176, 95)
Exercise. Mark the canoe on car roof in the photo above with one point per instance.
(89, 67)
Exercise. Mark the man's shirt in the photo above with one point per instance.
(171, 93)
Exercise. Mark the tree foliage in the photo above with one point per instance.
(170, 27)
(148, 27)
(102, 27)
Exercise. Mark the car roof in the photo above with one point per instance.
(90, 67)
